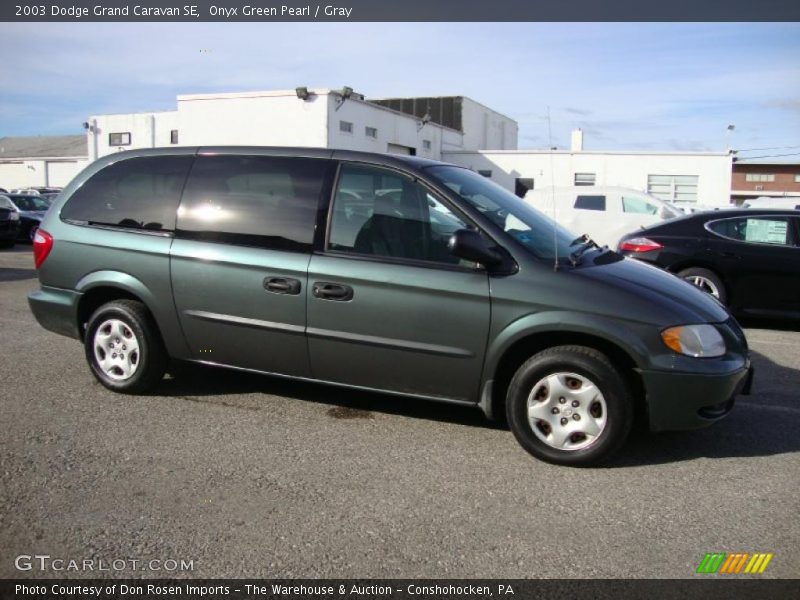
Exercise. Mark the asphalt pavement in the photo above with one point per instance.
(252, 476)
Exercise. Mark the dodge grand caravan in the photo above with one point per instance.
(397, 274)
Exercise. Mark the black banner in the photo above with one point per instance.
(711, 588)
(400, 10)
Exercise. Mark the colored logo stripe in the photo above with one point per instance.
(711, 562)
(758, 563)
(734, 562)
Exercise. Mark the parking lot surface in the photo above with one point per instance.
(251, 476)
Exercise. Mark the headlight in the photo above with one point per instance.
(700, 341)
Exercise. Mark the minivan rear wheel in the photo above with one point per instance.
(123, 347)
(569, 405)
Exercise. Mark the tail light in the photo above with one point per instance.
(42, 244)
(639, 244)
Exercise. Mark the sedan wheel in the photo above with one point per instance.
(706, 280)
(704, 284)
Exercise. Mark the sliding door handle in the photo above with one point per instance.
(332, 291)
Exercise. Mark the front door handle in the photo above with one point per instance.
(282, 285)
(332, 291)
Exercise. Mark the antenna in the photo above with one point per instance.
(553, 191)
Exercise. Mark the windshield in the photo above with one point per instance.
(531, 228)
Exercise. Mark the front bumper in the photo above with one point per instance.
(677, 401)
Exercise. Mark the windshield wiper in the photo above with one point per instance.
(588, 243)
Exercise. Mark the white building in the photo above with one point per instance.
(452, 128)
(41, 161)
(687, 177)
(315, 118)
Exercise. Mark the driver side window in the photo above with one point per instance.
(380, 212)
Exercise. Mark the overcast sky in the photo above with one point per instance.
(629, 86)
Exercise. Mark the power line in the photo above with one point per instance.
(771, 148)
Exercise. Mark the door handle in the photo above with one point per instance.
(332, 291)
(282, 285)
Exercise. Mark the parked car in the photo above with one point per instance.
(9, 222)
(766, 202)
(692, 207)
(298, 262)
(749, 259)
(603, 213)
(32, 209)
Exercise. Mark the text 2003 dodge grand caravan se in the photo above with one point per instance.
(378, 272)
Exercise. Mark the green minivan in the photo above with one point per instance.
(390, 273)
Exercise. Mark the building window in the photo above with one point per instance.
(345, 127)
(485, 172)
(673, 187)
(523, 185)
(371, 132)
(426, 145)
(797, 178)
(760, 177)
(584, 178)
(119, 139)
(173, 136)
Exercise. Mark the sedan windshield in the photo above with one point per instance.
(534, 230)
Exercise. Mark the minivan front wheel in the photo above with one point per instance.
(123, 347)
(569, 405)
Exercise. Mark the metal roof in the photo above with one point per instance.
(44, 146)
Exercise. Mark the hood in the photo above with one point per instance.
(653, 290)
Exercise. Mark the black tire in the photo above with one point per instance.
(709, 276)
(151, 357)
(596, 368)
(7, 244)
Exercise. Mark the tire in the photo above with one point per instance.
(7, 244)
(144, 358)
(553, 381)
(706, 280)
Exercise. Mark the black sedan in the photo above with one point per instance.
(31, 211)
(749, 259)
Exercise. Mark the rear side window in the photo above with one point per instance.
(269, 202)
(139, 193)
(590, 202)
(634, 204)
(761, 230)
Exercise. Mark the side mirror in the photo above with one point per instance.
(470, 245)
